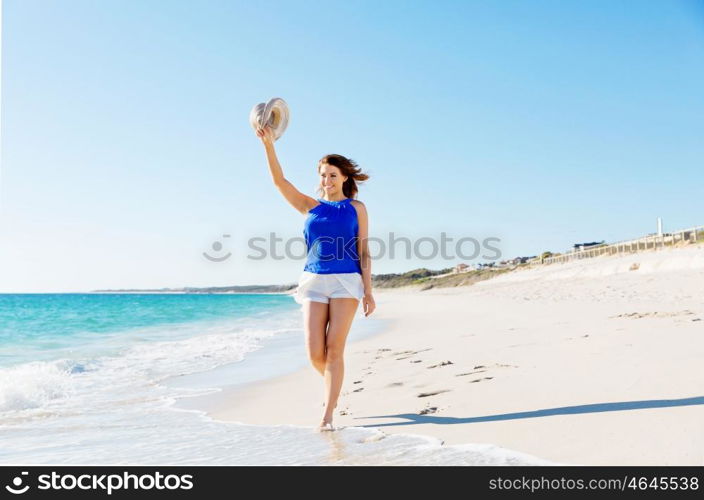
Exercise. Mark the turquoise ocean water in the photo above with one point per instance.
(94, 378)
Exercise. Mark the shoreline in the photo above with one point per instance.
(572, 363)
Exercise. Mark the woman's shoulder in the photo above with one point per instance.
(359, 207)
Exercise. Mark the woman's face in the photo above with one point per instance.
(331, 180)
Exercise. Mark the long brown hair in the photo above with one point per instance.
(349, 169)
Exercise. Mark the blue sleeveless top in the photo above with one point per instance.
(331, 234)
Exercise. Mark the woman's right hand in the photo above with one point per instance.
(368, 304)
(266, 135)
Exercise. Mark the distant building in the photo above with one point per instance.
(581, 246)
(514, 262)
(462, 268)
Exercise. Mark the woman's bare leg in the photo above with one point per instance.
(340, 320)
(315, 321)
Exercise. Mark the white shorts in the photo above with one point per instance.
(323, 287)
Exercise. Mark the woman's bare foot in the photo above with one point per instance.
(326, 425)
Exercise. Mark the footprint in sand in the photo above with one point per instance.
(425, 411)
(654, 314)
(408, 354)
(483, 368)
(444, 363)
(426, 394)
(375, 437)
(402, 352)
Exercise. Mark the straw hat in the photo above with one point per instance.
(273, 113)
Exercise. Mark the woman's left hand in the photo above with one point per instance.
(368, 304)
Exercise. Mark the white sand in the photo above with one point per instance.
(566, 362)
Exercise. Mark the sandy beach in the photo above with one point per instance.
(592, 362)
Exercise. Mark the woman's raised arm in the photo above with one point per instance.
(301, 202)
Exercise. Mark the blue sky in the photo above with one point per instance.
(126, 147)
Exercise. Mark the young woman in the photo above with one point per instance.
(337, 273)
